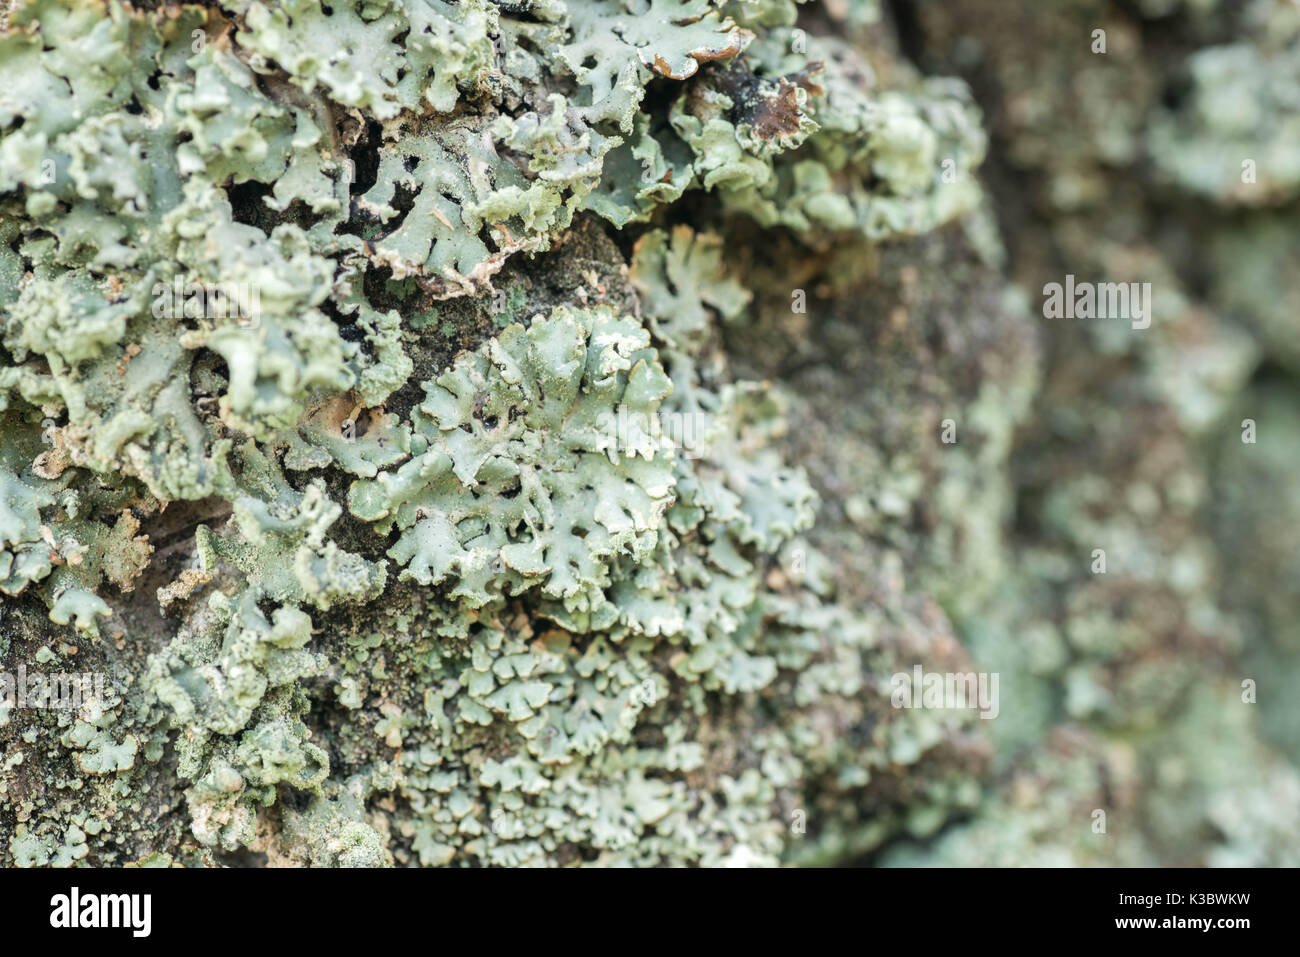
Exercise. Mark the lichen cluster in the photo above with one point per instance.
(508, 433)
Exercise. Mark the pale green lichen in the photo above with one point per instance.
(507, 433)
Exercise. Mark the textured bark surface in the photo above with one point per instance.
(637, 394)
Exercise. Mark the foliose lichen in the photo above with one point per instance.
(507, 432)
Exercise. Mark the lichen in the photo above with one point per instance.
(536, 433)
